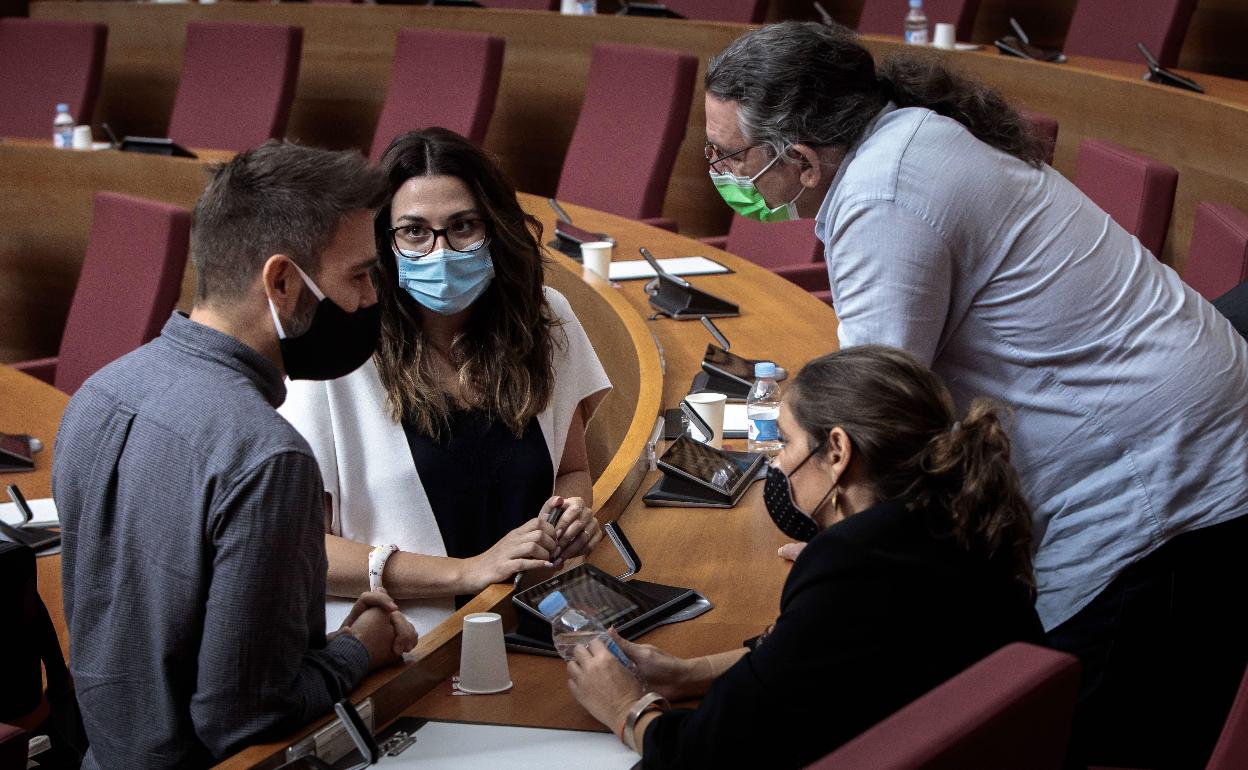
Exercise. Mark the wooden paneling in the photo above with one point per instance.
(347, 53)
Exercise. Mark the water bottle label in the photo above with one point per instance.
(586, 9)
(617, 652)
(62, 140)
(764, 430)
(916, 36)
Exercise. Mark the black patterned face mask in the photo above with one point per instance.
(778, 498)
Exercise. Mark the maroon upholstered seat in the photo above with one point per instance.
(788, 249)
(1046, 127)
(440, 78)
(522, 5)
(631, 124)
(1218, 258)
(130, 282)
(45, 63)
(1109, 29)
(1231, 751)
(887, 17)
(238, 80)
(1012, 710)
(1134, 189)
(13, 747)
(735, 11)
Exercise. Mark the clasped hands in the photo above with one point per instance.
(537, 544)
(379, 625)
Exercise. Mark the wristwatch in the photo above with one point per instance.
(651, 701)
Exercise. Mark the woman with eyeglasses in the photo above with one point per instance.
(444, 456)
(918, 565)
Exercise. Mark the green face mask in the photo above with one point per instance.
(744, 198)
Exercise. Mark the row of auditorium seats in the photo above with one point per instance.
(439, 77)
(138, 250)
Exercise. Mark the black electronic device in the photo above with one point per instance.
(1159, 74)
(153, 145)
(15, 454)
(569, 237)
(698, 475)
(633, 608)
(1020, 45)
(647, 9)
(695, 420)
(37, 536)
(676, 298)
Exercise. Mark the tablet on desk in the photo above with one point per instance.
(706, 465)
(15, 454)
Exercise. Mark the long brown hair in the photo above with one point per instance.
(901, 423)
(810, 83)
(504, 355)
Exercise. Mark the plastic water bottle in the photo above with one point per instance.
(63, 128)
(571, 628)
(916, 24)
(579, 7)
(762, 409)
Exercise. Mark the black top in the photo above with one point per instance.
(482, 481)
(875, 612)
(194, 556)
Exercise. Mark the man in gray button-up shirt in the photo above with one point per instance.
(194, 561)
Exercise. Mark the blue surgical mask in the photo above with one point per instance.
(446, 281)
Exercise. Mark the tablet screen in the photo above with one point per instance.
(733, 365)
(611, 601)
(15, 448)
(704, 464)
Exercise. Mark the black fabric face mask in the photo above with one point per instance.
(778, 498)
(335, 344)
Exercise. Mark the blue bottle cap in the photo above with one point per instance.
(62, 107)
(552, 605)
(764, 369)
(916, 3)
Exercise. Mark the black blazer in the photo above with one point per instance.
(876, 611)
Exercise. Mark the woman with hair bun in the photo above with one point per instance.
(918, 565)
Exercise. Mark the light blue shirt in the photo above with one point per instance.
(1128, 389)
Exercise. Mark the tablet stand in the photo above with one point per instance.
(678, 299)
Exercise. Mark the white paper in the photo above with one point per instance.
(735, 420)
(460, 746)
(639, 268)
(43, 509)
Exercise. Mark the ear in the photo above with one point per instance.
(811, 165)
(281, 284)
(838, 453)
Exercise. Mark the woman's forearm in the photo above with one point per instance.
(706, 669)
(406, 576)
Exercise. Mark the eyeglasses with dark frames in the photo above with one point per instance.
(416, 241)
(715, 156)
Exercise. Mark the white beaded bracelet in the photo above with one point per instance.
(377, 559)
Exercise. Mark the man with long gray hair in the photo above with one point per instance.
(946, 235)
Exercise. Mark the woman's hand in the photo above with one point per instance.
(577, 532)
(602, 685)
(790, 551)
(528, 546)
(666, 674)
(404, 633)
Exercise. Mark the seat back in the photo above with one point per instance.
(735, 11)
(1135, 190)
(440, 78)
(238, 81)
(631, 124)
(1046, 128)
(523, 5)
(130, 282)
(45, 63)
(772, 245)
(1109, 29)
(1231, 751)
(1218, 258)
(1012, 709)
(887, 17)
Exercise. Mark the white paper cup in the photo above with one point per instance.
(82, 138)
(710, 407)
(944, 37)
(596, 257)
(482, 657)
